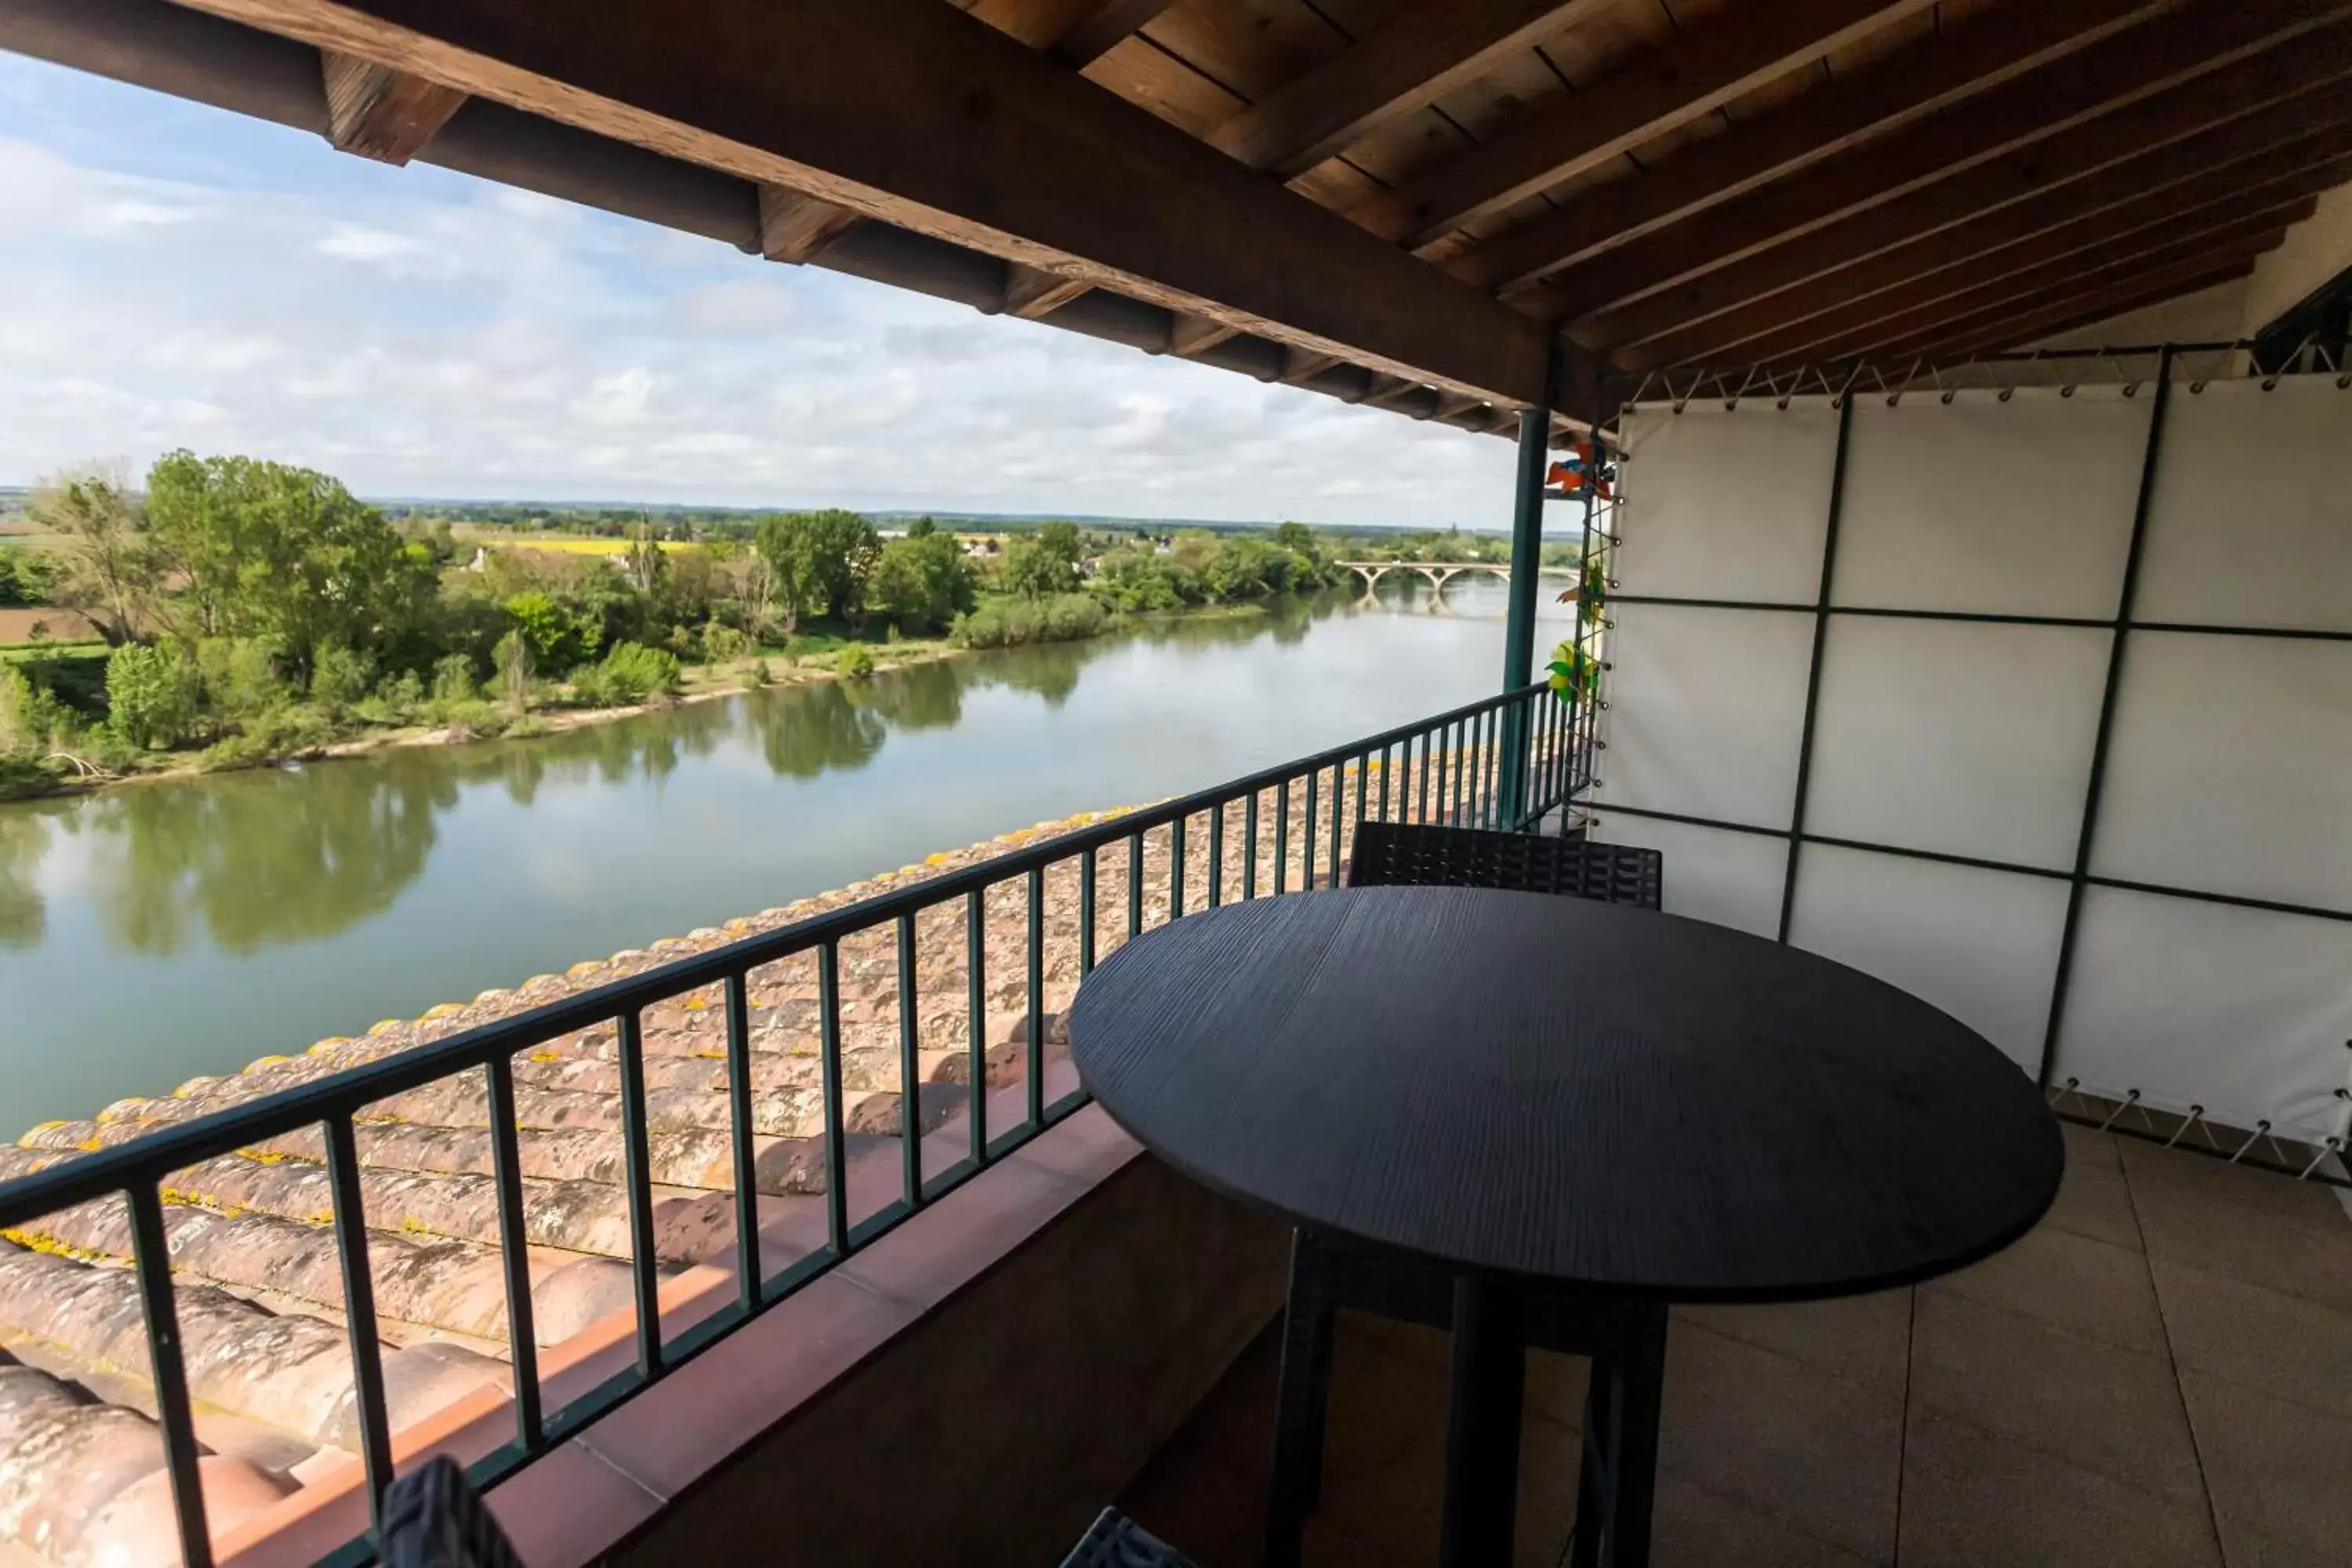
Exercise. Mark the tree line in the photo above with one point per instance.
(255, 609)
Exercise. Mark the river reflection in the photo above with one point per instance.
(166, 929)
(24, 914)
(260, 858)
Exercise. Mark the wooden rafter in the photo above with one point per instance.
(2190, 241)
(1449, 406)
(2216, 166)
(1033, 294)
(380, 113)
(1303, 364)
(1189, 334)
(1417, 57)
(1384, 390)
(1077, 39)
(2071, 315)
(1979, 53)
(2120, 290)
(2020, 270)
(915, 114)
(1106, 26)
(797, 229)
(1743, 250)
(1722, 59)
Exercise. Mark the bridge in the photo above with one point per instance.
(1439, 573)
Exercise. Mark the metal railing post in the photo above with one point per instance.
(1519, 629)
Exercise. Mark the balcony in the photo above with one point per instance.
(1927, 629)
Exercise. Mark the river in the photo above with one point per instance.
(160, 931)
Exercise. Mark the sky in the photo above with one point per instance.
(172, 275)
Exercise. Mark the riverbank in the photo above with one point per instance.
(766, 668)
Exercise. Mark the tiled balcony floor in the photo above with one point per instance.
(2159, 1375)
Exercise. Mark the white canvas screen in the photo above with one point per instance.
(2250, 520)
(2231, 768)
(2021, 507)
(2242, 1011)
(1728, 503)
(1959, 737)
(1711, 873)
(1981, 945)
(1706, 711)
(1944, 725)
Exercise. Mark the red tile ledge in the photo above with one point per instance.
(578, 1502)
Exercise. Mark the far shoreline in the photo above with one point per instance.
(714, 681)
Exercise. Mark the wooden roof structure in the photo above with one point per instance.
(1455, 209)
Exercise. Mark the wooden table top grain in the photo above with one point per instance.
(1636, 1102)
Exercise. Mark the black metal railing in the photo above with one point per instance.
(1504, 763)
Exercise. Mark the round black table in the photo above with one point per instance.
(1545, 1095)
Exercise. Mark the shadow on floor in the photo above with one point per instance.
(2159, 1375)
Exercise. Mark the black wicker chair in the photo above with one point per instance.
(1326, 1272)
(1116, 1540)
(1393, 853)
(432, 1518)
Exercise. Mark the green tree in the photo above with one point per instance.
(920, 583)
(153, 695)
(513, 660)
(1042, 564)
(643, 560)
(30, 714)
(106, 563)
(23, 577)
(1299, 539)
(559, 637)
(821, 561)
(453, 680)
(274, 551)
(922, 528)
(340, 676)
(722, 643)
(240, 674)
(630, 673)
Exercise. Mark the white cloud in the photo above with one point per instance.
(381, 248)
(175, 277)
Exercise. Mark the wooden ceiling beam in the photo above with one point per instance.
(2014, 322)
(2221, 164)
(1784, 235)
(1448, 407)
(1110, 24)
(2192, 240)
(1409, 62)
(376, 112)
(2034, 271)
(2219, 61)
(917, 114)
(1972, 56)
(1301, 365)
(1386, 389)
(1669, 86)
(2077, 315)
(1189, 334)
(1033, 294)
(2030, 272)
(797, 229)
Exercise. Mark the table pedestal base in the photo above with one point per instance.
(1493, 1320)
